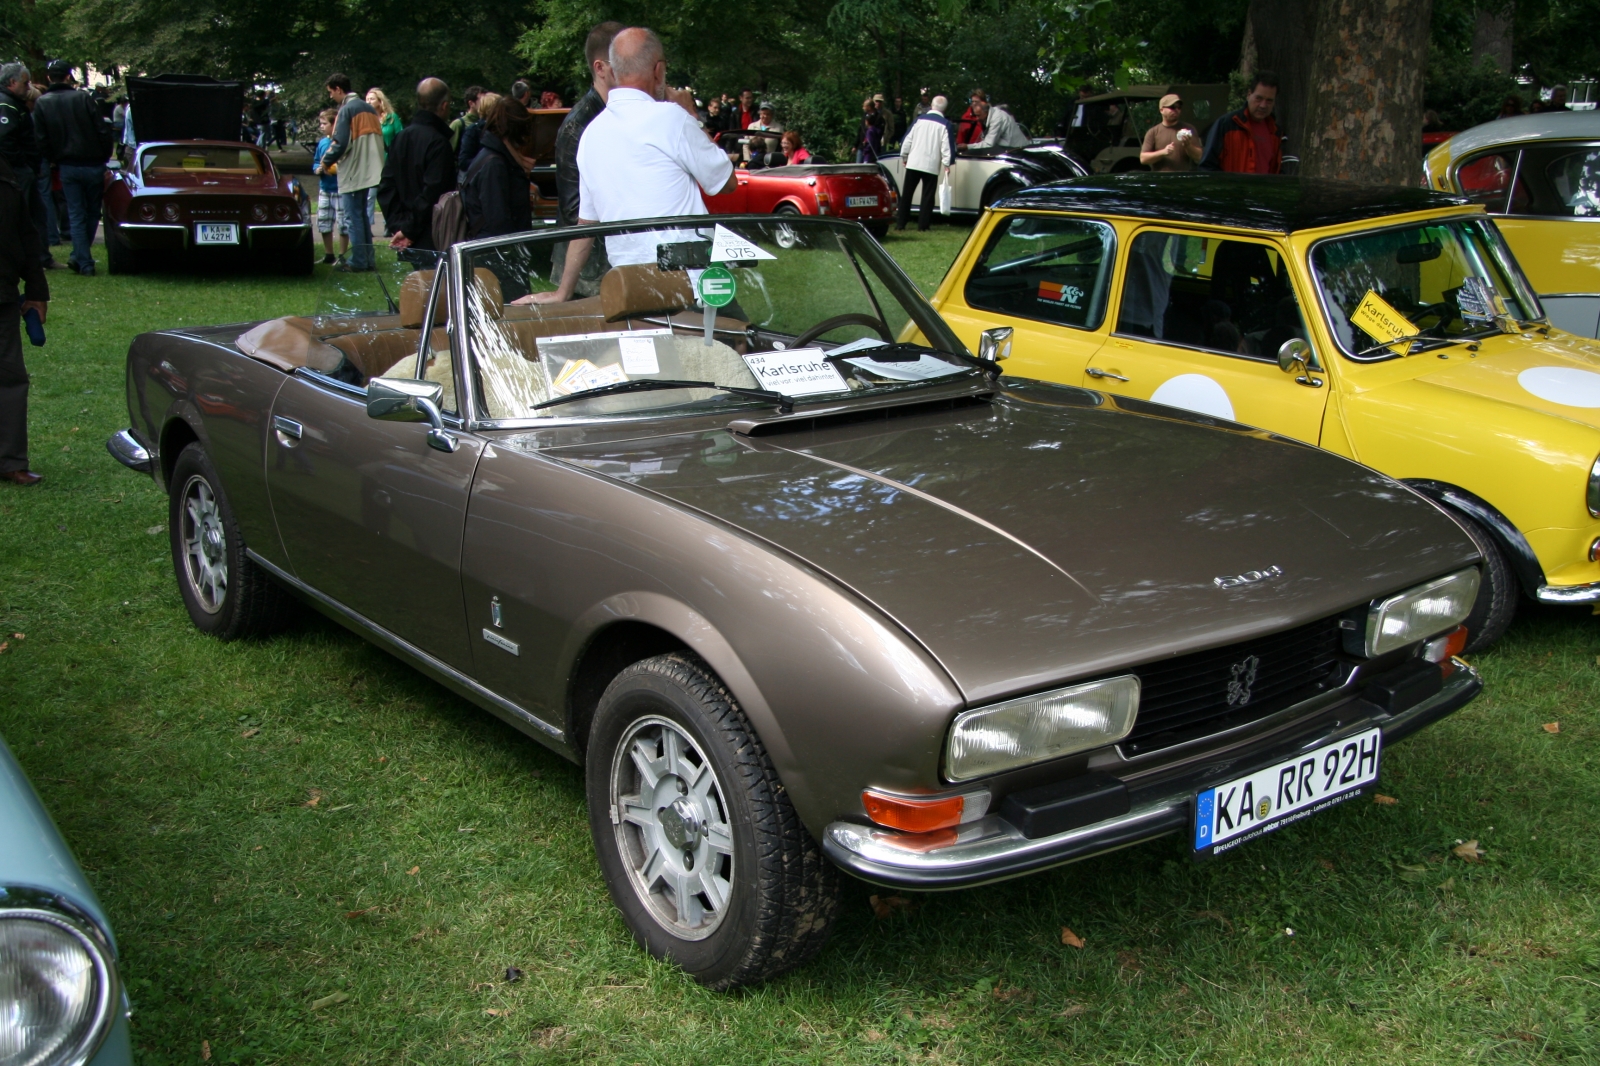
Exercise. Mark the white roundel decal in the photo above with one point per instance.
(1564, 385)
(1198, 393)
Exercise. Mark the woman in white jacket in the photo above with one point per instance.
(929, 147)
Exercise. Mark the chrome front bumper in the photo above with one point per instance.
(1569, 594)
(991, 849)
(127, 450)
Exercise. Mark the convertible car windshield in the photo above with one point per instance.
(1440, 282)
(722, 310)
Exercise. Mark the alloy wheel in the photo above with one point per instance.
(205, 545)
(671, 822)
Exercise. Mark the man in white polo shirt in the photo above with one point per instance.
(644, 156)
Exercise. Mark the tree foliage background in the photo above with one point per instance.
(816, 59)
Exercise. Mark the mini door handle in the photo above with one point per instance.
(1096, 372)
(287, 426)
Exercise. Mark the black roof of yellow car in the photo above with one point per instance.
(1246, 201)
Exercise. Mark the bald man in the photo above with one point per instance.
(421, 168)
(644, 156)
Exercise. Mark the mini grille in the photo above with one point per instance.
(1195, 695)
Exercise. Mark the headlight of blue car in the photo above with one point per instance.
(58, 984)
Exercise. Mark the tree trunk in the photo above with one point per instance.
(1364, 111)
(1492, 35)
(1283, 33)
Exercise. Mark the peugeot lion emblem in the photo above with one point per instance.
(1249, 577)
(1243, 680)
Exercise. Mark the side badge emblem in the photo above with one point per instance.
(501, 642)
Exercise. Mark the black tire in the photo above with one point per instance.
(120, 259)
(226, 594)
(1498, 593)
(299, 262)
(878, 228)
(782, 893)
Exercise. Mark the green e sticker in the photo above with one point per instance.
(716, 286)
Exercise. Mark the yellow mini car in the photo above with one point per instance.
(1390, 325)
(1539, 175)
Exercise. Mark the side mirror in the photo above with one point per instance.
(994, 344)
(410, 400)
(1296, 357)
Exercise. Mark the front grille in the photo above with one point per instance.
(1209, 691)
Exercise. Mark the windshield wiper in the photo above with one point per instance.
(906, 352)
(785, 404)
(1465, 338)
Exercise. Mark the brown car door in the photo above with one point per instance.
(370, 515)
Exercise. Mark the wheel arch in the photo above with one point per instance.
(176, 435)
(1507, 537)
(1003, 183)
(791, 200)
(638, 625)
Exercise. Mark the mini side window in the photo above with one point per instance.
(1227, 296)
(1051, 269)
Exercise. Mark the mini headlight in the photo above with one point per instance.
(1592, 496)
(1422, 612)
(57, 990)
(1019, 732)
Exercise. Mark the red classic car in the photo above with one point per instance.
(842, 190)
(193, 193)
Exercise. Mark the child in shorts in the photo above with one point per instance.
(328, 213)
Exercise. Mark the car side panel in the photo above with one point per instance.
(1558, 255)
(223, 397)
(845, 698)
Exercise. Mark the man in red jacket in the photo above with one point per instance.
(1247, 141)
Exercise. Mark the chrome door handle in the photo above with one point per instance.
(287, 426)
(1096, 372)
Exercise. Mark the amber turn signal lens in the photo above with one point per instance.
(1594, 551)
(1444, 648)
(914, 815)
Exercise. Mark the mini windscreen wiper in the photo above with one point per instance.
(785, 404)
(906, 352)
(1432, 342)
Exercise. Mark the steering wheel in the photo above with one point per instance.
(1444, 311)
(836, 321)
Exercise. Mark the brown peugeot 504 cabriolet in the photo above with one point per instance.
(802, 582)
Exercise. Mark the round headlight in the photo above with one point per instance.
(147, 212)
(57, 990)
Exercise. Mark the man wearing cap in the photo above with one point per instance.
(1171, 145)
(766, 122)
(75, 139)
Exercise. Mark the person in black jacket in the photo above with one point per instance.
(76, 139)
(496, 194)
(597, 53)
(21, 260)
(419, 169)
(18, 144)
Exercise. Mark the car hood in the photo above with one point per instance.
(32, 853)
(1558, 375)
(1049, 535)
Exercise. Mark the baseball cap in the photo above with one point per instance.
(1172, 100)
(766, 105)
(58, 68)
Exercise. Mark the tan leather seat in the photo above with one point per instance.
(644, 289)
(414, 299)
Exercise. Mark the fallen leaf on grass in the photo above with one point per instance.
(316, 797)
(1552, 727)
(1127, 960)
(497, 1012)
(1326, 864)
(5, 646)
(328, 1001)
(19, 636)
(414, 871)
(359, 913)
(548, 1038)
(258, 847)
(513, 974)
(1216, 916)
(1384, 801)
(1469, 851)
(252, 731)
(153, 530)
(205, 1051)
(1071, 939)
(1072, 1010)
(884, 906)
(341, 807)
(872, 1036)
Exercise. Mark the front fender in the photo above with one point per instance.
(1463, 504)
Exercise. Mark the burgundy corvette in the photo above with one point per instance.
(194, 194)
(842, 190)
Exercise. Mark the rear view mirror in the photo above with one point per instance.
(1419, 253)
(410, 400)
(1293, 355)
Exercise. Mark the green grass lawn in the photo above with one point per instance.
(313, 855)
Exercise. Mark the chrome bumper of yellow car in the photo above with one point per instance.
(992, 849)
(1569, 593)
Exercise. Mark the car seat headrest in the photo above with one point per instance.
(644, 289)
(414, 298)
